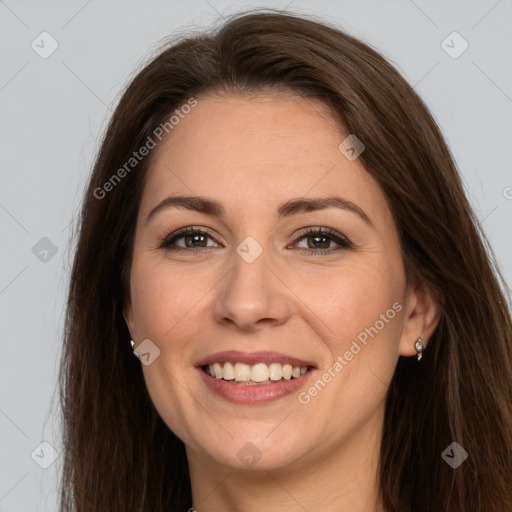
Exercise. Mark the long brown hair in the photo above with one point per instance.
(119, 454)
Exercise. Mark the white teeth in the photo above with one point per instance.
(242, 372)
(276, 371)
(287, 371)
(217, 369)
(228, 372)
(261, 372)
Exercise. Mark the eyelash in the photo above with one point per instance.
(342, 241)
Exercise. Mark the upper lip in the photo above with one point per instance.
(251, 358)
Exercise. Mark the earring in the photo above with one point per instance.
(135, 353)
(419, 347)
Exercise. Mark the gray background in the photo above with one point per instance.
(55, 109)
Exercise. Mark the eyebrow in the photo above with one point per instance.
(291, 207)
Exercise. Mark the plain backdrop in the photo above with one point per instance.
(54, 108)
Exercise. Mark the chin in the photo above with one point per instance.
(258, 454)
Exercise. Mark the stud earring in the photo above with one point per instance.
(419, 347)
(134, 353)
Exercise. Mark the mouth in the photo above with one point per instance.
(259, 374)
(254, 378)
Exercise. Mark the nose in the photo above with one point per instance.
(251, 296)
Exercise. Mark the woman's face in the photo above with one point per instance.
(291, 258)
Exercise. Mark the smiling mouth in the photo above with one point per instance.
(254, 375)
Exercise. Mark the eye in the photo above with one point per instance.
(319, 241)
(188, 238)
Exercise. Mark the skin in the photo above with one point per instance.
(253, 153)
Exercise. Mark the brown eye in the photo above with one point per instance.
(197, 240)
(320, 241)
(188, 238)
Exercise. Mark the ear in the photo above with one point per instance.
(421, 317)
(128, 316)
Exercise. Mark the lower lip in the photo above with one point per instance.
(256, 394)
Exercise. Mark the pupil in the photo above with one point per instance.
(190, 240)
(321, 242)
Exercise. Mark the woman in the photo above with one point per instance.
(276, 227)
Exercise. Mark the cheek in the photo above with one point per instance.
(164, 296)
(360, 307)
(166, 303)
(348, 300)
(367, 317)
(362, 315)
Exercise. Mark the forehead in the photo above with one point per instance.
(253, 150)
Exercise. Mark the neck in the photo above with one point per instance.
(341, 478)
